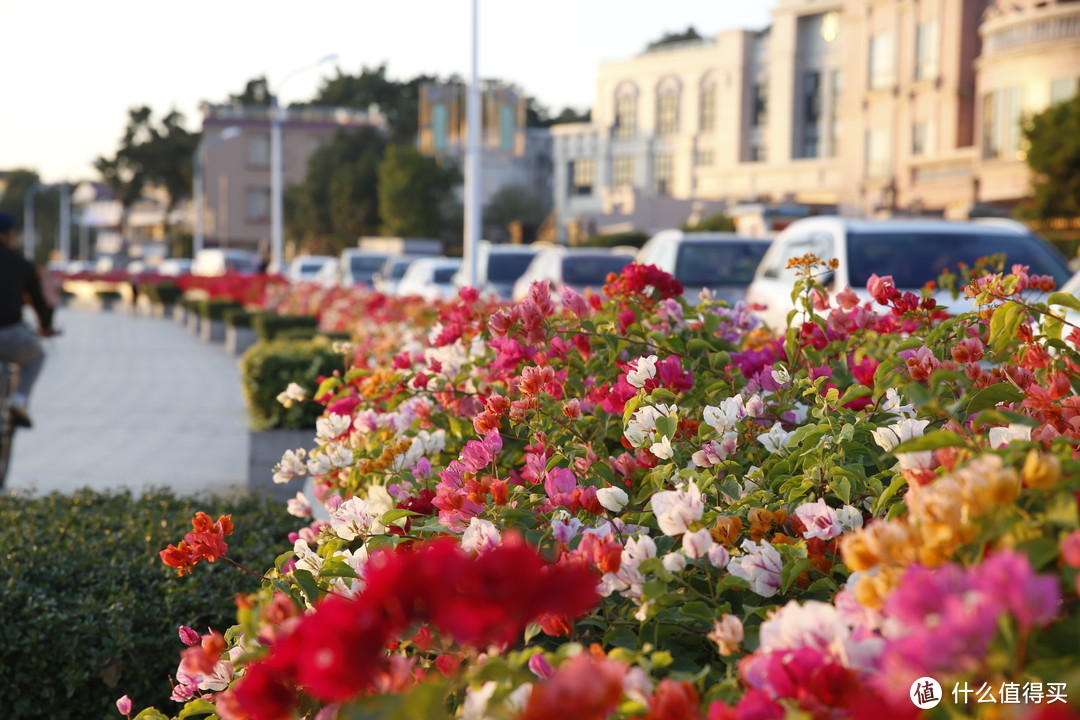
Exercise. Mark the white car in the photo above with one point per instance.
(306, 268)
(499, 266)
(358, 267)
(430, 278)
(390, 274)
(579, 268)
(722, 262)
(913, 252)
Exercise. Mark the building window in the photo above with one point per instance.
(663, 173)
(582, 176)
(877, 154)
(811, 115)
(920, 137)
(625, 116)
(707, 109)
(757, 151)
(258, 148)
(258, 204)
(927, 50)
(882, 61)
(760, 110)
(507, 128)
(836, 87)
(1063, 89)
(704, 158)
(440, 125)
(1002, 114)
(622, 171)
(667, 108)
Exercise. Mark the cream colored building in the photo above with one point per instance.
(858, 106)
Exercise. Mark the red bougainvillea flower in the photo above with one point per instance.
(584, 687)
(205, 542)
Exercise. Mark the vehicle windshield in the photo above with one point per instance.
(366, 264)
(915, 258)
(444, 275)
(310, 268)
(507, 267)
(718, 263)
(398, 268)
(592, 269)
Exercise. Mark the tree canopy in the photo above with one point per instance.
(674, 37)
(416, 194)
(1053, 155)
(398, 101)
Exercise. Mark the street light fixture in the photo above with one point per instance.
(473, 211)
(277, 191)
(205, 144)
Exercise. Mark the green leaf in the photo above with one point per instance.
(335, 567)
(667, 425)
(1004, 324)
(1002, 417)
(622, 637)
(307, 584)
(1064, 300)
(1040, 551)
(150, 714)
(931, 441)
(791, 572)
(841, 486)
(396, 514)
(991, 396)
(631, 405)
(196, 707)
(894, 487)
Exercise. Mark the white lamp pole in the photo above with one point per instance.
(472, 161)
(205, 144)
(277, 189)
(65, 222)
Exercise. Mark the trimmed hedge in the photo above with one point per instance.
(215, 309)
(238, 317)
(163, 293)
(108, 295)
(268, 326)
(89, 611)
(267, 368)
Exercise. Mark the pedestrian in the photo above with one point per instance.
(18, 343)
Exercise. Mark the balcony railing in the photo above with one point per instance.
(1063, 24)
(324, 115)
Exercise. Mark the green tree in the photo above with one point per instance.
(151, 153)
(256, 93)
(1053, 155)
(718, 222)
(415, 193)
(515, 204)
(339, 199)
(676, 37)
(398, 101)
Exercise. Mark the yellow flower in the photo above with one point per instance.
(1041, 471)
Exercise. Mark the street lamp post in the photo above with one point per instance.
(277, 190)
(65, 222)
(472, 162)
(204, 145)
(29, 236)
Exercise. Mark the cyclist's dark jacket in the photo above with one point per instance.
(18, 279)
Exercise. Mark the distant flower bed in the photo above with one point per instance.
(626, 506)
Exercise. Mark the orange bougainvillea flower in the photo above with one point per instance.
(205, 542)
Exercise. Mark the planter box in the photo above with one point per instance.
(106, 304)
(239, 339)
(212, 331)
(179, 314)
(193, 321)
(265, 451)
(163, 311)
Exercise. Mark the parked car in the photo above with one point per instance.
(306, 268)
(221, 261)
(175, 267)
(578, 268)
(499, 266)
(358, 267)
(913, 252)
(430, 278)
(389, 275)
(722, 262)
(79, 266)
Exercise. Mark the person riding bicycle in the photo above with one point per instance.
(18, 343)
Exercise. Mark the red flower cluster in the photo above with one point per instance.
(337, 652)
(205, 542)
(637, 279)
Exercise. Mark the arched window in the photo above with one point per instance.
(626, 111)
(707, 103)
(667, 106)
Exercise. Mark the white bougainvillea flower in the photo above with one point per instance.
(291, 395)
(894, 404)
(332, 426)
(776, 439)
(662, 449)
(644, 369)
(674, 562)
(726, 416)
(612, 498)
(677, 510)
(781, 376)
(892, 435)
(481, 535)
(1002, 436)
(292, 465)
(760, 565)
(299, 506)
(698, 543)
(820, 520)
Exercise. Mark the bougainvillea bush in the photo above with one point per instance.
(625, 506)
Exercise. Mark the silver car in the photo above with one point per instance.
(722, 262)
(913, 252)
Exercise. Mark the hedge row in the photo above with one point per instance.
(268, 368)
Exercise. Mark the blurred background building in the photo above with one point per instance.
(864, 107)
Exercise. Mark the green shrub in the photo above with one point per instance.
(237, 317)
(633, 238)
(108, 295)
(269, 325)
(215, 308)
(268, 368)
(163, 293)
(297, 333)
(89, 611)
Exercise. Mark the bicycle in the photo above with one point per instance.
(7, 424)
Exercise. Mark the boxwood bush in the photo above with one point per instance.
(237, 317)
(89, 611)
(215, 308)
(268, 326)
(108, 295)
(163, 293)
(267, 368)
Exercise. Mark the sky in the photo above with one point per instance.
(72, 69)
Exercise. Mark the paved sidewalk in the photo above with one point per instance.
(132, 401)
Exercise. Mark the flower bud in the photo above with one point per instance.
(188, 636)
(697, 544)
(124, 705)
(727, 633)
(674, 562)
(1041, 470)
